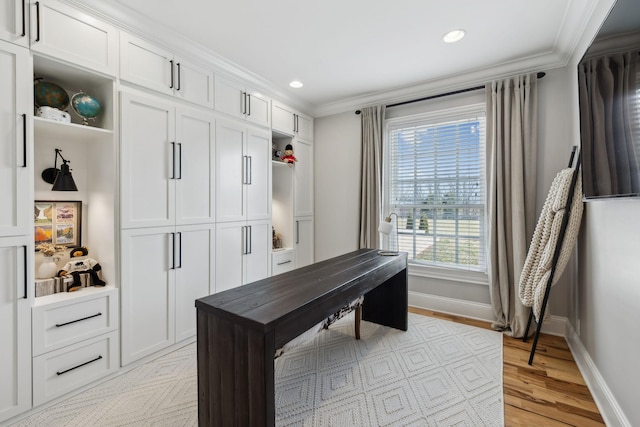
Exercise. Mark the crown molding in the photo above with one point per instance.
(471, 78)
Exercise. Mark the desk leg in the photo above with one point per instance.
(235, 374)
(388, 303)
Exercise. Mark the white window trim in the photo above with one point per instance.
(422, 270)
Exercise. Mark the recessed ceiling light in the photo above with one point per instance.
(454, 36)
(296, 84)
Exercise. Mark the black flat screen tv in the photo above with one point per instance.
(609, 95)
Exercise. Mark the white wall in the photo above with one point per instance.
(337, 184)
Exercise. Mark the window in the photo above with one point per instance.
(435, 183)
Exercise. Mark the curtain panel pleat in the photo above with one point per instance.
(371, 175)
(511, 189)
(608, 107)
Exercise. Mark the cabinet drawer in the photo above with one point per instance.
(75, 319)
(282, 262)
(67, 369)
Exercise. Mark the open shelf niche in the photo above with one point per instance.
(92, 154)
(282, 194)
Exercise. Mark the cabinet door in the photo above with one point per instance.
(65, 33)
(231, 168)
(147, 291)
(230, 249)
(194, 274)
(193, 83)
(303, 184)
(229, 97)
(16, 156)
(304, 241)
(258, 187)
(147, 65)
(195, 183)
(14, 22)
(258, 108)
(282, 118)
(148, 154)
(257, 259)
(304, 127)
(15, 327)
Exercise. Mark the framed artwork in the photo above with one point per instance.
(57, 222)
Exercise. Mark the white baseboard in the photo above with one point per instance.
(475, 310)
(607, 404)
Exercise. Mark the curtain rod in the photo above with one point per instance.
(455, 92)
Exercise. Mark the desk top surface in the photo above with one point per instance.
(265, 302)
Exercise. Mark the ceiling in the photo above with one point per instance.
(352, 51)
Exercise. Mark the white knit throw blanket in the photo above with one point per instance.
(537, 266)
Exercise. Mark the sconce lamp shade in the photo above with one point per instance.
(64, 180)
(385, 227)
(60, 178)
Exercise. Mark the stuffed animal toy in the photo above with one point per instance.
(80, 263)
(275, 153)
(288, 156)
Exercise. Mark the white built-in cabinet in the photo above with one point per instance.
(14, 22)
(288, 121)
(61, 31)
(16, 157)
(304, 241)
(241, 102)
(164, 270)
(16, 241)
(243, 204)
(303, 178)
(16, 278)
(158, 69)
(167, 156)
(242, 253)
(243, 172)
(167, 212)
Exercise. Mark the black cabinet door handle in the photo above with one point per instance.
(250, 178)
(24, 22)
(250, 239)
(179, 250)
(248, 105)
(244, 102)
(37, 21)
(180, 160)
(172, 247)
(26, 282)
(171, 65)
(179, 82)
(297, 232)
(59, 325)
(173, 161)
(24, 140)
(78, 366)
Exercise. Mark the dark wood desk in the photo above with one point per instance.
(240, 329)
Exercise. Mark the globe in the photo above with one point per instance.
(50, 95)
(85, 106)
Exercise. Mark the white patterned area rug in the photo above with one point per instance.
(438, 373)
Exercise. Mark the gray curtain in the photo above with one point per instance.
(511, 187)
(371, 175)
(607, 108)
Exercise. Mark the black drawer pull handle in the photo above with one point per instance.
(79, 366)
(284, 262)
(58, 325)
(24, 23)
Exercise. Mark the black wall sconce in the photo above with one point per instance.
(60, 178)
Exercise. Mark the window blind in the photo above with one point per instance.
(435, 182)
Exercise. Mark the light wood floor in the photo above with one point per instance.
(551, 392)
